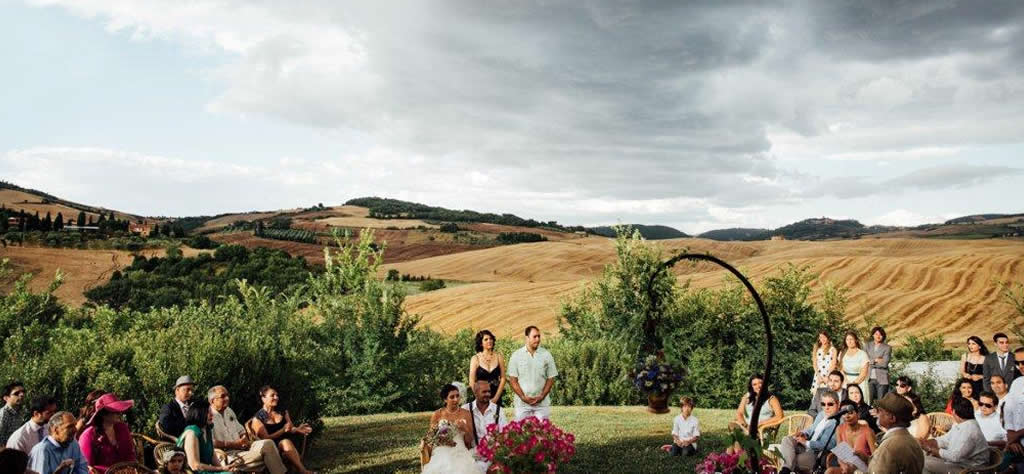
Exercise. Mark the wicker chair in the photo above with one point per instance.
(128, 468)
(941, 423)
(140, 441)
(159, 450)
(792, 424)
(161, 434)
(995, 458)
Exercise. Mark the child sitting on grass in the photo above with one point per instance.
(685, 430)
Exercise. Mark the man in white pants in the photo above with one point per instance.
(532, 372)
(229, 435)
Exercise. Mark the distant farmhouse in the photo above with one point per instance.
(141, 229)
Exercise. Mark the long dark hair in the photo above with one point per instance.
(751, 395)
(90, 403)
(915, 400)
(860, 404)
(956, 395)
(981, 345)
(198, 414)
(480, 340)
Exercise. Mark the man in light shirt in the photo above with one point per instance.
(531, 373)
(999, 387)
(229, 435)
(964, 447)
(34, 430)
(1013, 417)
(59, 451)
(800, 451)
(987, 415)
(485, 412)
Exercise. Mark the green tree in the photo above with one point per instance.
(81, 219)
(58, 224)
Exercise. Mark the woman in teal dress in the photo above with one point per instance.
(197, 441)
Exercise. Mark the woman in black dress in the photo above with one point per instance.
(972, 363)
(274, 422)
(488, 364)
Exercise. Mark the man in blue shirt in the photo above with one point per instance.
(800, 450)
(59, 450)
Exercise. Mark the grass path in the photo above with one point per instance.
(608, 439)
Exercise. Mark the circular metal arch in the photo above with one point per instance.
(652, 322)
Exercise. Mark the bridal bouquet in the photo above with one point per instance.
(527, 446)
(443, 435)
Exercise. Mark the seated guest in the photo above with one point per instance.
(921, 426)
(855, 395)
(770, 414)
(34, 430)
(274, 423)
(964, 388)
(14, 461)
(229, 435)
(964, 447)
(12, 416)
(59, 450)
(172, 415)
(800, 451)
(197, 441)
(898, 451)
(859, 436)
(999, 388)
(107, 439)
(87, 409)
(988, 419)
(1013, 417)
(485, 412)
(685, 430)
(174, 463)
(833, 384)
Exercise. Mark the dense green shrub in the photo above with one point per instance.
(431, 285)
(520, 237)
(716, 335)
(174, 280)
(924, 349)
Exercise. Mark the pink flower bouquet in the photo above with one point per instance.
(527, 446)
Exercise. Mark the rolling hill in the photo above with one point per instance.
(650, 232)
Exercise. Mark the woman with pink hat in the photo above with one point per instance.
(107, 439)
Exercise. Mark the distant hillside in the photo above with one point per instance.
(821, 229)
(737, 233)
(30, 200)
(385, 208)
(649, 232)
(979, 218)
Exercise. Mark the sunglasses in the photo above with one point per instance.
(986, 405)
(828, 404)
(1019, 362)
(902, 385)
(18, 393)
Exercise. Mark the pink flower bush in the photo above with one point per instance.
(737, 463)
(528, 446)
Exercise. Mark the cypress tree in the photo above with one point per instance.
(81, 218)
(59, 223)
(47, 223)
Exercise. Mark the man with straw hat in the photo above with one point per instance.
(898, 451)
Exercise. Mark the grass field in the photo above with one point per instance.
(608, 439)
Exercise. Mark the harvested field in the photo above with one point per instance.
(928, 286)
(364, 222)
(398, 250)
(219, 223)
(83, 269)
(31, 203)
(497, 228)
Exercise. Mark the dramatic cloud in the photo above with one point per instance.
(612, 106)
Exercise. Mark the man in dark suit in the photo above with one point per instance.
(172, 415)
(999, 362)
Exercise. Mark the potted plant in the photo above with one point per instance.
(658, 380)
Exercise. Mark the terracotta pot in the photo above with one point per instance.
(657, 403)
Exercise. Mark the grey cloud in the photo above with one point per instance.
(928, 179)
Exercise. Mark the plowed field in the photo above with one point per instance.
(919, 286)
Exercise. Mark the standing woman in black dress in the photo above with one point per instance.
(972, 363)
(488, 364)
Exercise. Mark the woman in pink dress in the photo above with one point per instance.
(107, 439)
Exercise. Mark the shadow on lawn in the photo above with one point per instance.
(639, 454)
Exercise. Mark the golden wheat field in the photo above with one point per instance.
(917, 286)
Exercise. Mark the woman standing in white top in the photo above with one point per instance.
(823, 358)
(854, 363)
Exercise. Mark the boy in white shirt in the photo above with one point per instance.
(685, 430)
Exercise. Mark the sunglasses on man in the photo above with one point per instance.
(1019, 362)
(828, 404)
(986, 405)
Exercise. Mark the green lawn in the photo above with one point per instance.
(608, 439)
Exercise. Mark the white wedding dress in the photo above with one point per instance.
(453, 460)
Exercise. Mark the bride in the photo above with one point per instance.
(454, 421)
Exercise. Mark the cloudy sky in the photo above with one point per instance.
(716, 114)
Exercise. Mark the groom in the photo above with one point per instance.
(532, 372)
